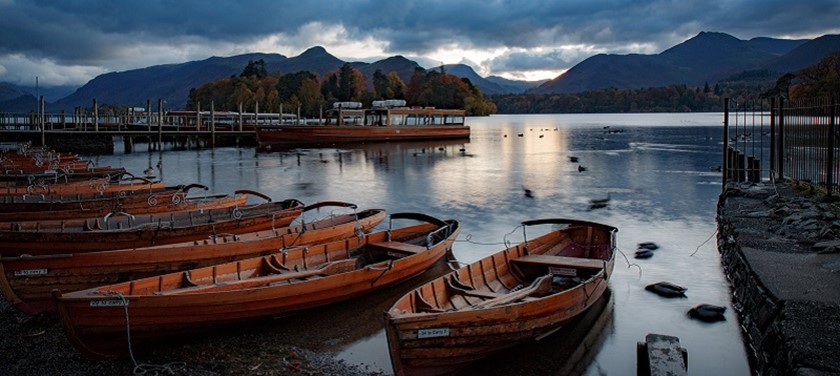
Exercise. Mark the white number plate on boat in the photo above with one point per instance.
(107, 303)
(26, 272)
(432, 333)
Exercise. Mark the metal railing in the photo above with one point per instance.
(779, 139)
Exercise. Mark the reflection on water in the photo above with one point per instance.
(656, 168)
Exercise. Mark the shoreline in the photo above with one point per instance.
(781, 253)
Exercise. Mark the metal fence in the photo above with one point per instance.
(779, 139)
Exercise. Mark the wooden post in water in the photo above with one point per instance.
(661, 355)
(160, 124)
(213, 124)
(256, 115)
(95, 116)
(149, 116)
(240, 114)
(198, 116)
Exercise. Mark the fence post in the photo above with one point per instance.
(781, 147)
(829, 181)
(773, 135)
(725, 141)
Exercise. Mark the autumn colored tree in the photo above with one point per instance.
(819, 80)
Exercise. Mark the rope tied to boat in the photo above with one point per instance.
(170, 368)
(383, 269)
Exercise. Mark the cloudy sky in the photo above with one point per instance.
(69, 42)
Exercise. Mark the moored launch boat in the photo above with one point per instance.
(100, 321)
(128, 231)
(387, 120)
(521, 293)
(26, 281)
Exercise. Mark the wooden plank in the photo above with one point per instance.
(562, 261)
(399, 247)
(661, 355)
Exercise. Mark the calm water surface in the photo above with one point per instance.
(655, 167)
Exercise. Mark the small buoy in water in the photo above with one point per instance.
(666, 289)
(707, 313)
(644, 254)
(651, 246)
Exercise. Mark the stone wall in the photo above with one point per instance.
(779, 252)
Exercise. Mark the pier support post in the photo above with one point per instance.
(149, 115)
(95, 116)
(213, 123)
(160, 124)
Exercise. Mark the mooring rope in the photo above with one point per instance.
(170, 368)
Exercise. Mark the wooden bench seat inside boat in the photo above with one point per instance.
(398, 249)
(561, 261)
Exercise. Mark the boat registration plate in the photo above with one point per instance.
(108, 303)
(566, 272)
(28, 272)
(432, 333)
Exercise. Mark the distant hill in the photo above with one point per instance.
(705, 58)
(514, 86)
(11, 101)
(401, 65)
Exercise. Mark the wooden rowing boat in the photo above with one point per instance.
(104, 185)
(48, 202)
(164, 201)
(95, 320)
(26, 281)
(521, 293)
(129, 231)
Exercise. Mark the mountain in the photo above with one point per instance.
(170, 82)
(514, 86)
(806, 54)
(17, 98)
(706, 58)
(404, 68)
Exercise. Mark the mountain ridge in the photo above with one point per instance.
(705, 58)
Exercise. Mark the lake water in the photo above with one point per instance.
(656, 168)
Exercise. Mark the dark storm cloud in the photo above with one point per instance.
(92, 33)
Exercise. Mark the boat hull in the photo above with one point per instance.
(27, 282)
(451, 331)
(95, 319)
(55, 237)
(326, 134)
